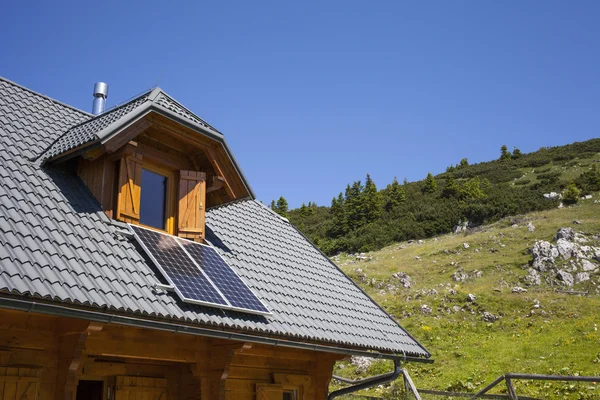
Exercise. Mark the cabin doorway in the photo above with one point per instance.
(89, 390)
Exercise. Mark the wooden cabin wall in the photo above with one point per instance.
(49, 355)
(98, 175)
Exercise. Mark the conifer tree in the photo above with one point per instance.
(354, 205)
(430, 184)
(273, 207)
(516, 153)
(451, 189)
(371, 201)
(504, 153)
(281, 207)
(340, 223)
(463, 163)
(395, 195)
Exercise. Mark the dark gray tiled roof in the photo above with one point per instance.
(88, 130)
(96, 128)
(170, 104)
(56, 244)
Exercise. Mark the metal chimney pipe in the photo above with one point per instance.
(100, 95)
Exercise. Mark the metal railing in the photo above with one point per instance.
(507, 378)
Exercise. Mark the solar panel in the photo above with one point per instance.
(224, 278)
(189, 282)
(197, 272)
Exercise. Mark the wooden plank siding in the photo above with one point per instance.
(44, 357)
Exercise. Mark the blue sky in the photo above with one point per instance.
(314, 95)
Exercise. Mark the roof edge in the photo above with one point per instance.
(359, 288)
(44, 96)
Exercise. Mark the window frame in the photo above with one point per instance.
(170, 194)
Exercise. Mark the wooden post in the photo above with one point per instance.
(72, 336)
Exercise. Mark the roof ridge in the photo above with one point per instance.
(161, 91)
(44, 96)
(110, 110)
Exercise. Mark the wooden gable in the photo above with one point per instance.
(197, 168)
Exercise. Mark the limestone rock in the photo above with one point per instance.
(565, 233)
(466, 245)
(544, 254)
(565, 277)
(489, 317)
(533, 278)
(553, 196)
(404, 279)
(518, 289)
(582, 277)
(459, 276)
(361, 363)
(530, 227)
(588, 266)
(425, 309)
(471, 298)
(566, 249)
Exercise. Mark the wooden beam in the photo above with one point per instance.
(72, 336)
(217, 183)
(212, 157)
(122, 138)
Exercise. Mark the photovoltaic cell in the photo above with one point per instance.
(197, 272)
(223, 277)
(181, 272)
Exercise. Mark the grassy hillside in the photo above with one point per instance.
(541, 330)
(363, 218)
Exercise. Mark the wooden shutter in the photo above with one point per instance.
(192, 195)
(130, 179)
(135, 387)
(269, 392)
(19, 383)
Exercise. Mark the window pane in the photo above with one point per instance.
(153, 199)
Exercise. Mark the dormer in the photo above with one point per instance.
(152, 162)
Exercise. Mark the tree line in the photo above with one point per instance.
(365, 218)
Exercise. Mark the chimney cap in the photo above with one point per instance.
(100, 89)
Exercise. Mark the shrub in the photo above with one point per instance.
(571, 195)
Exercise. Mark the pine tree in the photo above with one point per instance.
(354, 205)
(463, 163)
(395, 195)
(304, 210)
(451, 189)
(273, 207)
(371, 201)
(340, 223)
(516, 153)
(504, 153)
(281, 207)
(571, 195)
(430, 184)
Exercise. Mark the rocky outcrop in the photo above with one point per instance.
(567, 262)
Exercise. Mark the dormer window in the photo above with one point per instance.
(151, 162)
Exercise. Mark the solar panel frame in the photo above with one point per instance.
(167, 276)
(183, 243)
(180, 242)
